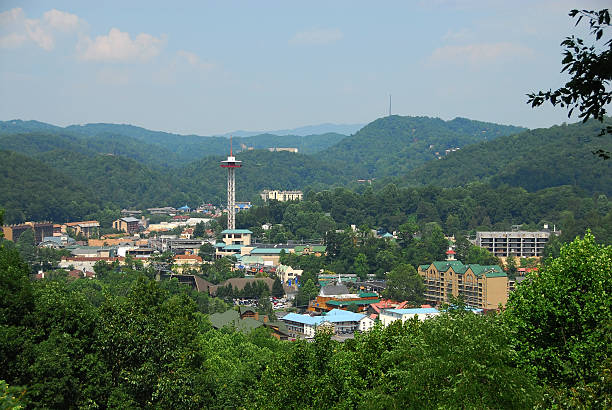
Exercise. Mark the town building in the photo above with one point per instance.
(388, 316)
(281, 196)
(483, 287)
(522, 244)
(340, 322)
(40, 229)
(337, 296)
(288, 275)
(127, 224)
(287, 149)
(84, 228)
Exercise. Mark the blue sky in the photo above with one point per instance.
(212, 67)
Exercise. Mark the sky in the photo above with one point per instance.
(210, 67)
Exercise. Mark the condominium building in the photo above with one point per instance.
(482, 287)
(520, 243)
(282, 196)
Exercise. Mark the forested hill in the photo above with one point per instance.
(537, 159)
(31, 190)
(152, 148)
(394, 145)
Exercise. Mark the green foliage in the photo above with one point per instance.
(530, 160)
(588, 90)
(405, 284)
(277, 288)
(562, 316)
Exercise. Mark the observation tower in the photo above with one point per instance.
(231, 164)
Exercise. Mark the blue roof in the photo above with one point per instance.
(184, 207)
(333, 316)
(415, 311)
(220, 245)
(230, 231)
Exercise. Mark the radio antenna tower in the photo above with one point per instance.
(231, 164)
(389, 105)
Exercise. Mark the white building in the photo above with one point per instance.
(388, 316)
(341, 321)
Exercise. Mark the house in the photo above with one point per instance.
(483, 287)
(185, 261)
(127, 224)
(388, 316)
(337, 320)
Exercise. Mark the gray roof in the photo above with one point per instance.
(331, 290)
(129, 219)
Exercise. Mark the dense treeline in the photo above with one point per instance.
(537, 159)
(124, 340)
(394, 145)
(456, 210)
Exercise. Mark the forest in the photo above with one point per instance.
(102, 171)
(125, 340)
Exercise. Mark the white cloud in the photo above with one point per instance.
(478, 54)
(317, 36)
(18, 29)
(60, 20)
(12, 40)
(39, 35)
(118, 46)
(11, 16)
(194, 60)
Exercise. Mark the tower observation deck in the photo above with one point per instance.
(231, 164)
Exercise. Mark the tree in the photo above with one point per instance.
(405, 284)
(277, 288)
(562, 319)
(207, 251)
(588, 90)
(511, 268)
(306, 292)
(361, 266)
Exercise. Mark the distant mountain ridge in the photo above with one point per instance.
(394, 145)
(346, 129)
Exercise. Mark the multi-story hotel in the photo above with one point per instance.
(483, 287)
(281, 196)
(522, 244)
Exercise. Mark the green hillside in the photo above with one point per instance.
(537, 159)
(394, 145)
(31, 190)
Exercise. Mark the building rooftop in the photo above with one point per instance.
(414, 311)
(333, 316)
(233, 231)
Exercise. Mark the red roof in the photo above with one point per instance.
(450, 251)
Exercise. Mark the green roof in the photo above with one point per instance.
(219, 320)
(251, 259)
(220, 245)
(352, 302)
(231, 318)
(490, 271)
(443, 266)
(233, 247)
(423, 267)
(230, 231)
(368, 295)
(268, 250)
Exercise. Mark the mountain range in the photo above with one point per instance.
(116, 166)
